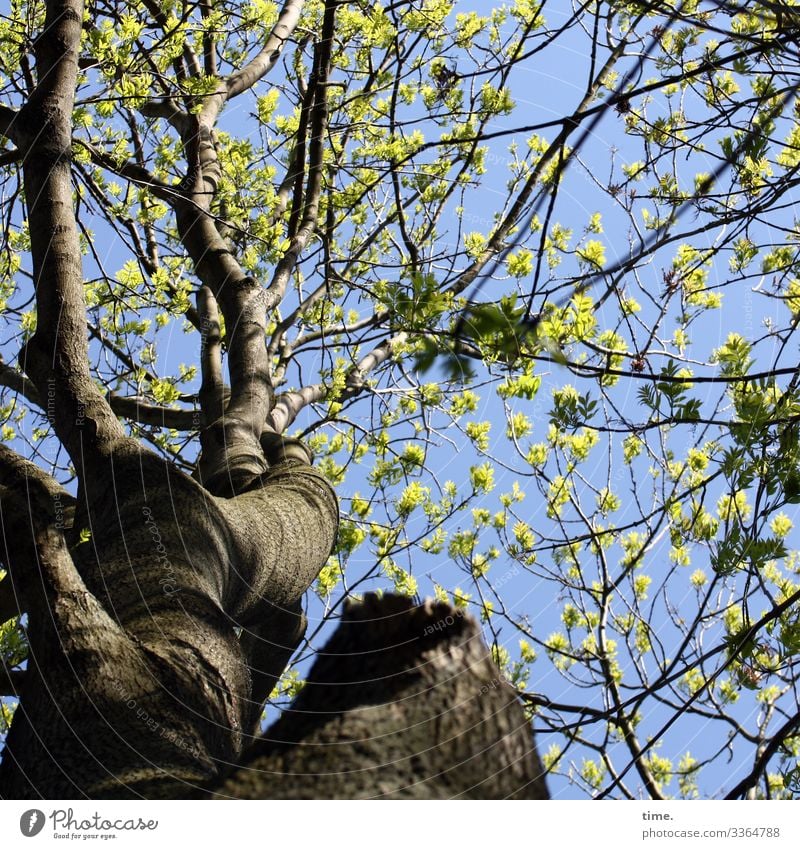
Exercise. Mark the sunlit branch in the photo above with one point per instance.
(356, 377)
(261, 64)
(212, 389)
(57, 352)
(289, 405)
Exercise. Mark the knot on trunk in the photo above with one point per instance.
(231, 457)
(278, 448)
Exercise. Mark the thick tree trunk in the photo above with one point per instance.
(139, 682)
(403, 702)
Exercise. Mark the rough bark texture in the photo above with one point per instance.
(139, 683)
(403, 702)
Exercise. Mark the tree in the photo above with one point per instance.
(396, 243)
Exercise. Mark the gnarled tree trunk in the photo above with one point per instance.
(138, 680)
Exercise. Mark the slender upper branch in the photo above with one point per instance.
(264, 61)
(209, 47)
(498, 237)
(319, 125)
(289, 405)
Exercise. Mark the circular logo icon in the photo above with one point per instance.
(31, 822)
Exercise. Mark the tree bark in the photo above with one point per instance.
(403, 702)
(138, 682)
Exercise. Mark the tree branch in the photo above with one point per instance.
(375, 358)
(264, 61)
(10, 156)
(169, 110)
(269, 645)
(9, 604)
(568, 125)
(20, 383)
(668, 675)
(289, 404)
(319, 124)
(56, 357)
(213, 389)
(209, 47)
(8, 119)
(27, 480)
(134, 172)
(230, 446)
(144, 412)
(749, 781)
(34, 511)
(11, 681)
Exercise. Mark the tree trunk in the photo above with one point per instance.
(138, 684)
(138, 680)
(403, 702)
